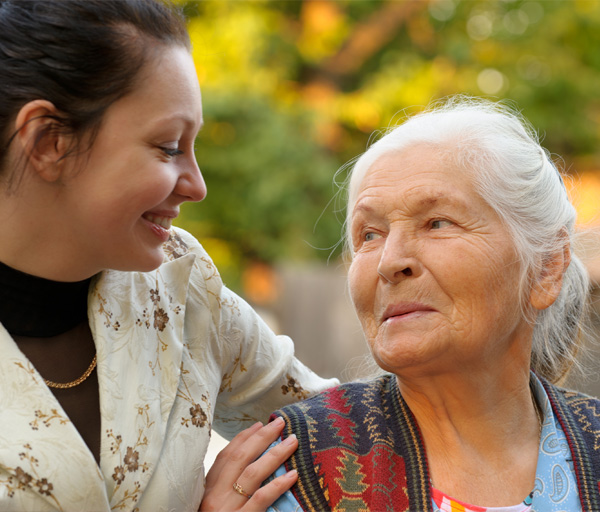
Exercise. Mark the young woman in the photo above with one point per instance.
(121, 348)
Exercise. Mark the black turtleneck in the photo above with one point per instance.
(37, 307)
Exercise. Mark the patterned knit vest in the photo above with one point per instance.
(360, 448)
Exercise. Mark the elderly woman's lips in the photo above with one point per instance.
(405, 310)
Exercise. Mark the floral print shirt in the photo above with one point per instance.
(178, 355)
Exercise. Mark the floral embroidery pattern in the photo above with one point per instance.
(46, 419)
(208, 264)
(157, 316)
(294, 388)
(103, 311)
(175, 247)
(226, 383)
(28, 369)
(131, 459)
(229, 303)
(132, 496)
(198, 417)
(130, 462)
(241, 417)
(21, 479)
(160, 320)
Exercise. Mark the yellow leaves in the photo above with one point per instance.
(324, 29)
(228, 42)
(584, 191)
(588, 7)
(319, 95)
(366, 113)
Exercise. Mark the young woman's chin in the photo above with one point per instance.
(146, 261)
(151, 262)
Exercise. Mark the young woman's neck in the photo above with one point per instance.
(34, 238)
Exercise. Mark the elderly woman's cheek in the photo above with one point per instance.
(362, 282)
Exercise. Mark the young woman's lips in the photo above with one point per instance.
(159, 223)
(405, 311)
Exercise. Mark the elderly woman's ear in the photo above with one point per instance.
(546, 287)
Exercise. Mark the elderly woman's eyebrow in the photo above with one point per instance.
(434, 200)
(441, 199)
(421, 201)
(362, 206)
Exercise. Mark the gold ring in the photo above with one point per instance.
(240, 490)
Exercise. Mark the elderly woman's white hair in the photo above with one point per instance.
(517, 178)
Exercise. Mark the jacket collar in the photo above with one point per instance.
(39, 446)
(137, 321)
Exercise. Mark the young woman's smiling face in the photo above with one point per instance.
(139, 170)
(434, 276)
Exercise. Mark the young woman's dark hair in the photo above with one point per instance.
(81, 55)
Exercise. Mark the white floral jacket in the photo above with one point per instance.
(178, 354)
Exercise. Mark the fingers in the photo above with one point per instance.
(240, 454)
(238, 463)
(254, 474)
(222, 458)
(264, 497)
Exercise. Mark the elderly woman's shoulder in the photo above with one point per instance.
(369, 395)
(575, 408)
(567, 395)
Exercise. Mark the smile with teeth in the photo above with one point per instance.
(164, 222)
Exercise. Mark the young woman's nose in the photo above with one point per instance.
(191, 183)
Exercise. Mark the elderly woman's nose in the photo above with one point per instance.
(393, 275)
(395, 265)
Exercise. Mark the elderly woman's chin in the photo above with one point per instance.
(410, 353)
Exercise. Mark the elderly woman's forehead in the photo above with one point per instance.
(418, 160)
(421, 181)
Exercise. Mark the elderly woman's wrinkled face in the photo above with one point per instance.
(434, 277)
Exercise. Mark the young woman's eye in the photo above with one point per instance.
(172, 152)
(440, 223)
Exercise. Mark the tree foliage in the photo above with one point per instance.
(294, 89)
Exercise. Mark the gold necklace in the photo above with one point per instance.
(75, 382)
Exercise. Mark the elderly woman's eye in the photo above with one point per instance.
(440, 223)
(370, 236)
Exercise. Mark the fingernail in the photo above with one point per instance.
(289, 440)
(291, 474)
(278, 422)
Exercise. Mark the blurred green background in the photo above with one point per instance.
(293, 89)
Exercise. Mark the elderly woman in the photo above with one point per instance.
(468, 291)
